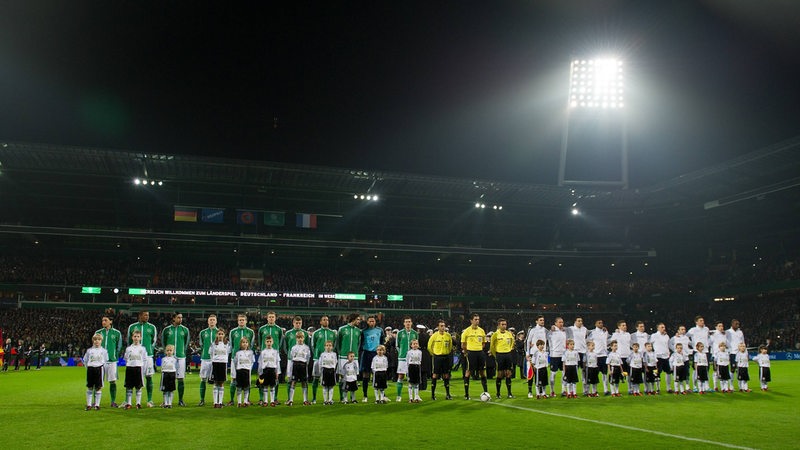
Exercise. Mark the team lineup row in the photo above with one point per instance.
(337, 358)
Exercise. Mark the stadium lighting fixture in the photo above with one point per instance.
(137, 181)
(575, 211)
(597, 83)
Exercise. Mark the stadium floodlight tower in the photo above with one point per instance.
(594, 145)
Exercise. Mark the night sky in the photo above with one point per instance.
(453, 88)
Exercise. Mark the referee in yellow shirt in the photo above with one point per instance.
(440, 346)
(501, 347)
(472, 340)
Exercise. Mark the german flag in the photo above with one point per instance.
(185, 214)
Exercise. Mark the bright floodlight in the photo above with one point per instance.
(596, 83)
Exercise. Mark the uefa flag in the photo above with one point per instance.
(245, 217)
(306, 220)
(274, 218)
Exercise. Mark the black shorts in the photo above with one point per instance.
(650, 374)
(571, 374)
(663, 365)
(299, 371)
(681, 373)
(724, 372)
(380, 380)
(351, 386)
(701, 372)
(242, 379)
(442, 364)
(94, 377)
(592, 375)
(167, 381)
(555, 363)
(133, 377)
(505, 361)
(742, 374)
(601, 364)
(541, 376)
(219, 372)
(476, 360)
(328, 376)
(414, 374)
(615, 374)
(270, 377)
(365, 360)
(636, 375)
(764, 374)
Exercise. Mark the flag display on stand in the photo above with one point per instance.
(306, 220)
(183, 214)
(274, 218)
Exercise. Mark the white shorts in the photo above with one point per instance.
(110, 371)
(316, 369)
(402, 367)
(180, 371)
(206, 367)
(149, 367)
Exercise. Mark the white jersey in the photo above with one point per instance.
(715, 339)
(699, 334)
(414, 357)
(219, 352)
(722, 358)
(641, 338)
(380, 364)
(742, 359)
(538, 359)
(169, 364)
(269, 359)
(300, 353)
(350, 370)
(636, 360)
(135, 356)
(762, 360)
(678, 359)
(244, 359)
(557, 342)
(591, 360)
(328, 360)
(650, 359)
(600, 338)
(661, 344)
(623, 339)
(95, 357)
(734, 338)
(578, 334)
(700, 359)
(570, 358)
(682, 339)
(614, 359)
(536, 333)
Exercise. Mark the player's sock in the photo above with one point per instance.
(508, 385)
(238, 396)
(202, 391)
(553, 381)
(447, 386)
(341, 391)
(97, 395)
(484, 384)
(180, 389)
(149, 386)
(498, 382)
(364, 386)
(399, 386)
(433, 387)
(530, 386)
(289, 392)
(466, 386)
(113, 391)
(305, 393)
(233, 390)
(138, 396)
(89, 394)
(215, 393)
(410, 392)
(314, 387)
(128, 395)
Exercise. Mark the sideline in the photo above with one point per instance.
(626, 427)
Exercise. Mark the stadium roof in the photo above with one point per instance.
(55, 187)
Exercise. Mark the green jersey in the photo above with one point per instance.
(348, 340)
(290, 339)
(404, 339)
(206, 339)
(318, 340)
(112, 342)
(235, 338)
(177, 335)
(269, 330)
(149, 335)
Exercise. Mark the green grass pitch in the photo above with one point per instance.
(45, 409)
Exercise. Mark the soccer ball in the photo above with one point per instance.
(486, 397)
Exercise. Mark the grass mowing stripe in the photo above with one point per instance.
(626, 427)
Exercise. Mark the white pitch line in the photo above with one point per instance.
(626, 427)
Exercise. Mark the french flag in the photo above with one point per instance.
(306, 221)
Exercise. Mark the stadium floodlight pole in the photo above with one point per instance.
(595, 85)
